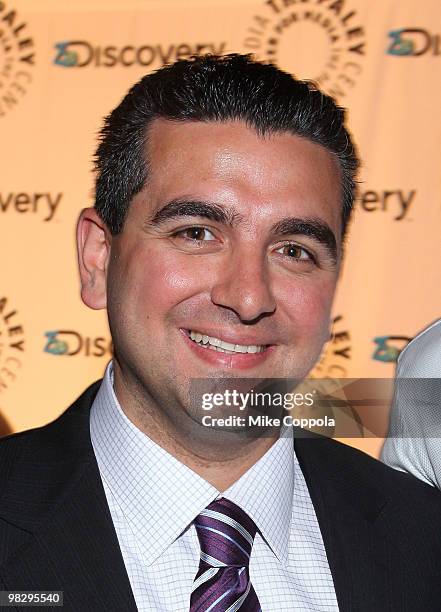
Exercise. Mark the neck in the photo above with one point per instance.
(218, 457)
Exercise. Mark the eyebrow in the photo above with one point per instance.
(313, 228)
(195, 208)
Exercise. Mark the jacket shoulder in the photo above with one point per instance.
(48, 441)
(400, 488)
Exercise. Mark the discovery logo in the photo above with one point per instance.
(389, 347)
(395, 202)
(413, 42)
(82, 53)
(43, 204)
(70, 343)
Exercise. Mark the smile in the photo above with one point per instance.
(221, 346)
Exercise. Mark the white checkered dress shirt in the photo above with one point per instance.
(153, 499)
(414, 442)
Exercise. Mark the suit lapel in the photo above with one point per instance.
(347, 505)
(56, 522)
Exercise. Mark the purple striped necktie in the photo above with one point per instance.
(222, 584)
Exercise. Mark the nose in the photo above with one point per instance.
(243, 285)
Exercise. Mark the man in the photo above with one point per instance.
(414, 442)
(223, 191)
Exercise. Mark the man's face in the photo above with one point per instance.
(228, 260)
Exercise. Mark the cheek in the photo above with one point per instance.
(156, 281)
(307, 307)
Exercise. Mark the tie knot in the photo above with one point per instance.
(226, 534)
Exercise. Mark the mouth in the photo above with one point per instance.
(222, 346)
(225, 352)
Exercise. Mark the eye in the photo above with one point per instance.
(296, 252)
(196, 234)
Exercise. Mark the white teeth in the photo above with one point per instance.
(223, 347)
(240, 349)
(227, 346)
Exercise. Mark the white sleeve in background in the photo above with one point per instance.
(414, 442)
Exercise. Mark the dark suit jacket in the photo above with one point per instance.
(381, 528)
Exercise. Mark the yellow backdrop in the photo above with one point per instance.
(62, 68)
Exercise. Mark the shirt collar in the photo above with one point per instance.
(160, 496)
(265, 493)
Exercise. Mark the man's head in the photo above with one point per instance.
(223, 189)
(219, 89)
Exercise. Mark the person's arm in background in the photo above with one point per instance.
(414, 440)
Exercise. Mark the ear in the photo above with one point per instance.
(93, 244)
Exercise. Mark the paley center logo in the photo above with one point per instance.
(12, 344)
(17, 58)
(69, 343)
(5, 427)
(82, 53)
(319, 40)
(335, 360)
(413, 42)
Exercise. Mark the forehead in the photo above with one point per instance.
(228, 162)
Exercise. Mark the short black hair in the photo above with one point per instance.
(214, 88)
